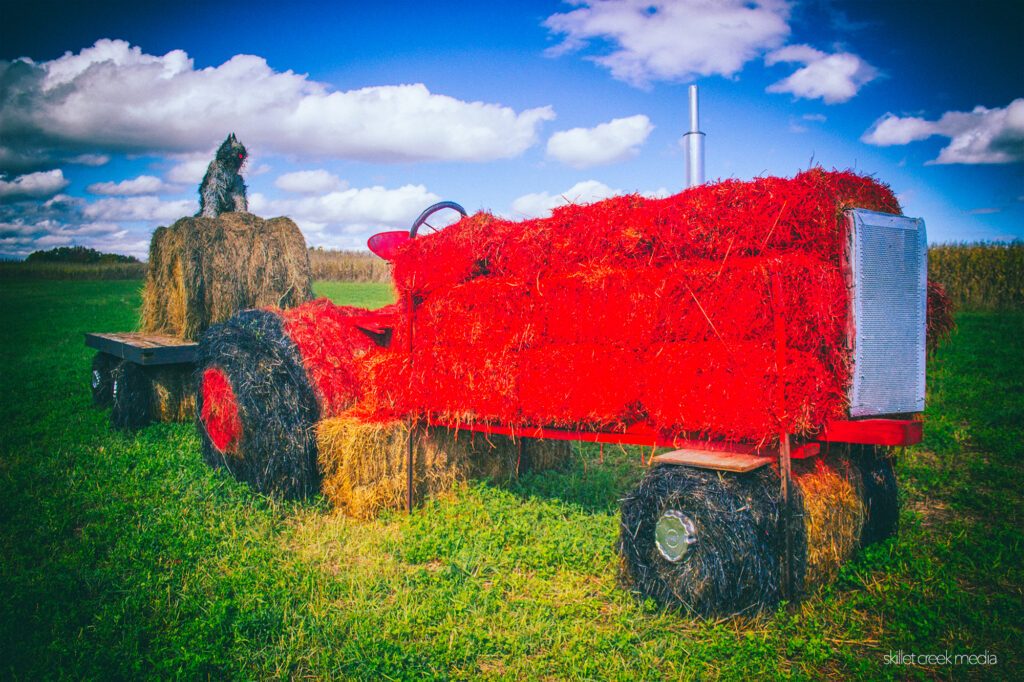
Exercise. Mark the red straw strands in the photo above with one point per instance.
(331, 348)
(634, 309)
(220, 410)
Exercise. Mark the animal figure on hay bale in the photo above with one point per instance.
(222, 189)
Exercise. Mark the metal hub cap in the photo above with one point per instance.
(674, 534)
(96, 378)
(114, 388)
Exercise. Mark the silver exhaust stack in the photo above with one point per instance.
(693, 145)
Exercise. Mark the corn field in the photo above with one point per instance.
(980, 276)
(976, 276)
(348, 266)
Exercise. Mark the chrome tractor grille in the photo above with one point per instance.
(888, 261)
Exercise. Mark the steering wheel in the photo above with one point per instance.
(431, 210)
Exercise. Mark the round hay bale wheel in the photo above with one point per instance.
(101, 379)
(706, 541)
(131, 396)
(881, 499)
(255, 406)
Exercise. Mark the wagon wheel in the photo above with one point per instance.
(881, 500)
(706, 541)
(431, 210)
(101, 379)
(132, 396)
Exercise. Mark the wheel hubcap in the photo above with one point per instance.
(95, 379)
(674, 534)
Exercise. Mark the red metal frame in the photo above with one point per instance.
(874, 432)
(635, 434)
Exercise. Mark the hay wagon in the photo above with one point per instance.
(723, 526)
(201, 271)
(142, 377)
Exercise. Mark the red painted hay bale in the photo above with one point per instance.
(634, 309)
(713, 221)
(331, 348)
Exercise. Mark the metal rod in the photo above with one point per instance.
(785, 473)
(693, 145)
(786, 477)
(408, 455)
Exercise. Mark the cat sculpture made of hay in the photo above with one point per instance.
(363, 463)
(204, 270)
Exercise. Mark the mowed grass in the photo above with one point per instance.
(124, 556)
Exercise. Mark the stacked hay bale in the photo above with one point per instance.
(635, 310)
(202, 271)
(364, 462)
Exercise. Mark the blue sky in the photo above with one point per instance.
(359, 115)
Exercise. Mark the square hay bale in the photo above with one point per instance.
(833, 516)
(203, 270)
(363, 464)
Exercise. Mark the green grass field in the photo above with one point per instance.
(122, 556)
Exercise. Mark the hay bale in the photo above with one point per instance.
(734, 565)
(364, 463)
(272, 447)
(141, 395)
(833, 516)
(174, 396)
(203, 270)
(636, 310)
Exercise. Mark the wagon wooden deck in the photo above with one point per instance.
(144, 348)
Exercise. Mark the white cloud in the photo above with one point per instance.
(144, 184)
(316, 181)
(892, 130)
(112, 97)
(540, 204)
(90, 159)
(833, 78)
(39, 185)
(672, 40)
(617, 140)
(979, 136)
(189, 171)
(142, 208)
(370, 206)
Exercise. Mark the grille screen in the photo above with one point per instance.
(890, 269)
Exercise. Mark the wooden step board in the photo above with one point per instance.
(144, 349)
(711, 459)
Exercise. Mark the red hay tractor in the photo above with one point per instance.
(720, 527)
